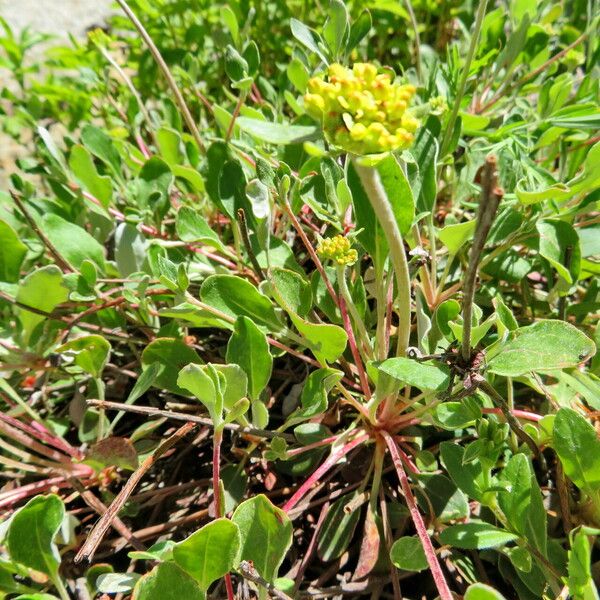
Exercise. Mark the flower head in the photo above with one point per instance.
(338, 249)
(361, 110)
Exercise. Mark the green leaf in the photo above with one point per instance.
(167, 582)
(454, 237)
(327, 342)
(131, 249)
(210, 552)
(84, 170)
(544, 346)
(578, 447)
(31, 533)
(90, 352)
(236, 297)
(338, 529)
(407, 553)
(443, 496)
(558, 239)
(466, 476)
(169, 143)
(74, 243)
(481, 591)
(172, 354)
(476, 535)
(228, 17)
(276, 133)
(196, 380)
(191, 226)
(12, 253)
(248, 348)
(293, 289)
(423, 375)
(359, 29)
(308, 37)
(522, 503)
(313, 399)
(336, 28)
(154, 182)
(266, 534)
(43, 289)
(101, 146)
(581, 581)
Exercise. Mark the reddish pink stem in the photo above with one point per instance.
(28, 439)
(364, 382)
(142, 146)
(12, 497)
(328, 464)
(436, 570)
(216, 472)
(152, 231)
(312, 446)
(521, 414)
(411, 465)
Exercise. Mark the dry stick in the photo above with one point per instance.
(247, 570)
(95, 537)
(311, 547)
(488, 206)
(187, 115)
(60, 261)
(96, 504)
(167, 414)
(434, 565)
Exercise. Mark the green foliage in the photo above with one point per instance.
(159, 263)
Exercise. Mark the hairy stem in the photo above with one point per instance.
(371, 182)
(436, 570)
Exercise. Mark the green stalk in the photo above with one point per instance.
(365, 346)
(465, 75)
(60, 588)
(372, 185)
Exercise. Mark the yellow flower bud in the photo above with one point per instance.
(362, 111)
(338, 250)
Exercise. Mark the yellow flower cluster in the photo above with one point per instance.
(362, 111)
(338, 249)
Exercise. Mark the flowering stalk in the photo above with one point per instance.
(372, 185)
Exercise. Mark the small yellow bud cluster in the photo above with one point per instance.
(338, 249)
(362, 111)
(438, 105)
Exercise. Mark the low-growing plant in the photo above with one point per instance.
(302, 302)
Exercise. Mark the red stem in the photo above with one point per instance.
(521, 414)
(217, 502)
(436, 570)
(328, 464)
(364, 382)
(152, 231)
(216, 472)
(312, 446)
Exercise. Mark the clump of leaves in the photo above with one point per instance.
(384, 360)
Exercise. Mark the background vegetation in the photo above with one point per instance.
(206, 393)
